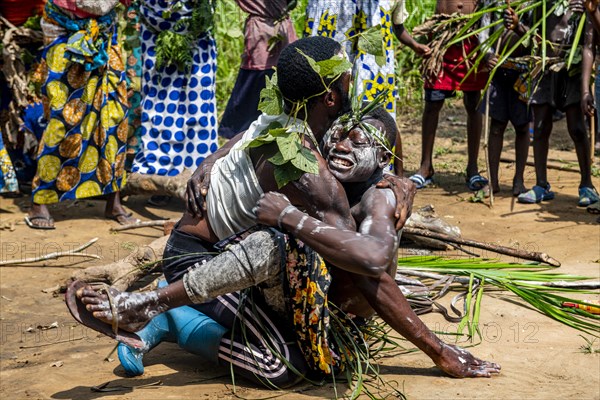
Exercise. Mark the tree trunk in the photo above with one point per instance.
(173, 186)
(123, 273)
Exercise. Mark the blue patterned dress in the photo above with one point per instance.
(179, 120)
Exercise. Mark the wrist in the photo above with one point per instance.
(283, 213)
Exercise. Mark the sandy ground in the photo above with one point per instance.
(540, 358)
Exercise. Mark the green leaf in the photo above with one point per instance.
(279, 132)
(271, 102)
(380, 60)
(334, 66)
(273, 41)
(313, 64)
(288, 146)
(278, 159)
(257, 141)
(285, 174)
(306, 161)
(371, 41)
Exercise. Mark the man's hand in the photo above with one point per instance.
(591, 5)
(404, 190)
(576, 6)
(490, 60)
(422, 50)
(197, 189)
(269, 208)
(511, 19)
(587, 104)
(459, 363)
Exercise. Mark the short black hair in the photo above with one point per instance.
(379, 113)
(296, 79)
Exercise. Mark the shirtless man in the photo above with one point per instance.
(377, 286)
(450, 79)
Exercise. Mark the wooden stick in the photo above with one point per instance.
(524, 254)
(53, 256)
(549, 166)
(593, 136)
(160, 222)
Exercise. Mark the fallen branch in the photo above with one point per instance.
(173, 186)
(54, 256)
(160, 222)
(123, 273)
(524, 254)
(549, 165)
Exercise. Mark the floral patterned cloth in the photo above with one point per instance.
(306, 283)
(327, 347)
(132, 56)
(82, 151)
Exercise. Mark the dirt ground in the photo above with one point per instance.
(540, 358)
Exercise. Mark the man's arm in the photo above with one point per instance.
(366, 252)
(406, 39)
(589, 52)
(197, 186)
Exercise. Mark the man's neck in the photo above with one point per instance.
(355, 190)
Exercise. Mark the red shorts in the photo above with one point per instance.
(454, 70)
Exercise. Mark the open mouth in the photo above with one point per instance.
(340, 163)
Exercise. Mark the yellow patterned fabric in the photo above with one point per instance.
(82, 151)
(342, 20)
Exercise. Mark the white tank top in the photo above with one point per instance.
(234, 187)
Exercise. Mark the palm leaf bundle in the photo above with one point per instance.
(534, 39)
(547, 292)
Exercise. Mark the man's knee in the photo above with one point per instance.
(261, 252)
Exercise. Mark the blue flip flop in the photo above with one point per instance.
(535, 195)
(476, 182)
(587, 196)
(420, 181)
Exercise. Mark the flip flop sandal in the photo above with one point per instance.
(587, 196)
(476, 183)
(535, 195)
(420, 181)
(29, 221)
(85, 317)
(594, 208)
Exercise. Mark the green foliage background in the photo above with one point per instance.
(228, 32)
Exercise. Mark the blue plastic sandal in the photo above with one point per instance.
(476, 183)
(535, 195)
(420, 181)
(587, 196)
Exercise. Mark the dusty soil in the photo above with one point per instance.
(540, 358)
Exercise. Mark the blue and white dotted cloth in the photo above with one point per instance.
(179, 118)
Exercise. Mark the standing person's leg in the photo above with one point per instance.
(521, 153)
(429, 124)
(542, 128)
(115, 210)
(578, 132)
(496, 142)
(474, 127)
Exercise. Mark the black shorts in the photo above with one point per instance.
(558, 89)
(505, 104)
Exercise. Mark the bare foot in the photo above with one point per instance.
(133, 310)
(518, 187)
(459, 363)
(114, 210)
